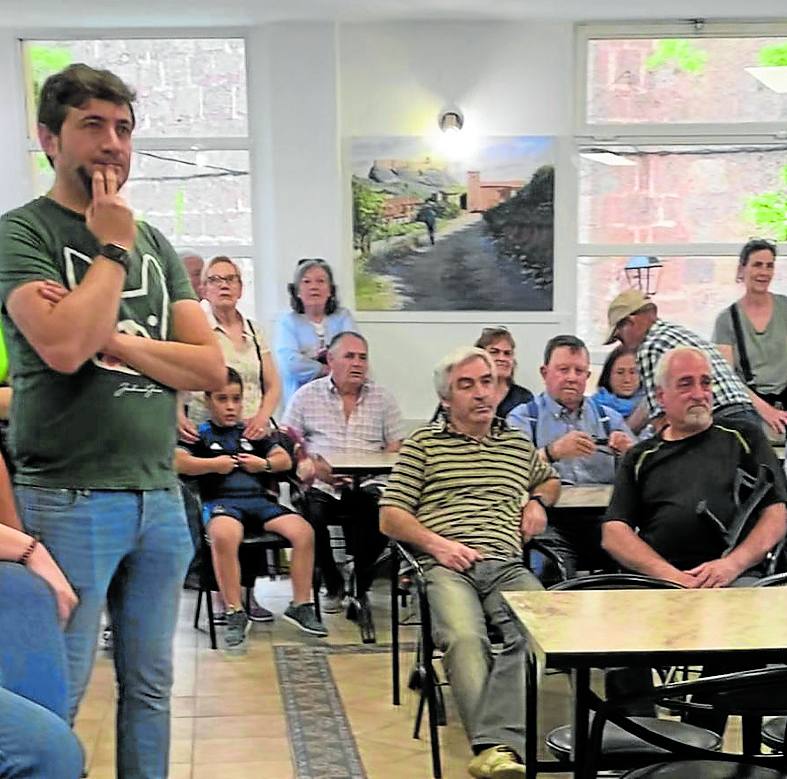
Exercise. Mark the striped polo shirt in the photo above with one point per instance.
(468, 490)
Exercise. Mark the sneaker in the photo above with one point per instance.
(303, 617)
(332, 604)
(235, 633)
(219, 609)
(107, 639)
(259, 613)
(498, 762)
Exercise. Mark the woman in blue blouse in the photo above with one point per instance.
(303, 333)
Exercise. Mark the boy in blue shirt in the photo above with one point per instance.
(233, 474)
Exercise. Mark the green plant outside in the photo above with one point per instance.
(44, 61)
(768, 210)
(180, 208)
(679, 54)
(774, 56)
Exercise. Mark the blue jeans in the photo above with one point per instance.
(130, 549)
(35, 740)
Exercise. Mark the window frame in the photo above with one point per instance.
(604, 135)
(140, 143)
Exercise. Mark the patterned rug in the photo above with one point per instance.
(322, 741)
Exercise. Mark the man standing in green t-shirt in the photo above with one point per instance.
(102, 329)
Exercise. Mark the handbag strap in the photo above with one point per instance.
(743, 356)
(257, 349)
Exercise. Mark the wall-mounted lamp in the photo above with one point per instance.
(451, 120)
(642, 273)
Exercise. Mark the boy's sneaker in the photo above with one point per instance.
(259, 613)
(107, 639)
(303, 617)
(235, 633)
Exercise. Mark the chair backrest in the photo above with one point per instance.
(616, 581)
(776, 580)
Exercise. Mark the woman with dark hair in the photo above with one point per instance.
(618, 385)
(752, 333)
(304, 333)
(500, 345)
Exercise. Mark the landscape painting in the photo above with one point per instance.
(472, 232)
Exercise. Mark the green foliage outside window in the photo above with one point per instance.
(768, 210)
(679, 54)
(774, 56)
(44, 61)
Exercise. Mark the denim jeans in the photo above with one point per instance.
(489, 689)
(35, 739)
(130, 549)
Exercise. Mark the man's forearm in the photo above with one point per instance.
(71, 331)
(177, 365)
(403, 526)
(627, 548)
(769, 530)
(548, 491)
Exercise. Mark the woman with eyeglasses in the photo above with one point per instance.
(304, 333)
(245, 349)
(752, 333)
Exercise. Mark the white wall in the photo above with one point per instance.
(508, 79)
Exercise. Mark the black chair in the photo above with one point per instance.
(754, 693)
(616, 741)
(258, 554)
(423, 677)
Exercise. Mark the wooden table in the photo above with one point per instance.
(580, 630)
(359, 464)
(580, 496)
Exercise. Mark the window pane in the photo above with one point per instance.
(185, 87)
(691, 291)
(699, 80)
(193, 197)
(682, 194)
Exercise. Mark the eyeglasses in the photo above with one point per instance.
(232, 278)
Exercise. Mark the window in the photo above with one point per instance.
(681, 154)
(190, 169)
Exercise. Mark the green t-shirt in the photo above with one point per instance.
(106, 426)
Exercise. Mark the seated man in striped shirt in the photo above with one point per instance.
(466, 492)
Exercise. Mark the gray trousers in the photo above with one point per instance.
(489, 689)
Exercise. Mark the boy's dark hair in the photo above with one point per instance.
(233, 377)
(73, 87)
(573, 344)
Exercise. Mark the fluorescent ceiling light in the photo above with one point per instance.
(607, 158)
(774, 78)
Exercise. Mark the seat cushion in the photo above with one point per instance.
(703, 769)
(617, 741)
(773, 733)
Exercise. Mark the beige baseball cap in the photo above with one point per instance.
(625, 304)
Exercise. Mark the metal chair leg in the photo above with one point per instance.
(197, 610)
(211, 623)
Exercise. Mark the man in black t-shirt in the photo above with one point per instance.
(657, 491)
(662, 480)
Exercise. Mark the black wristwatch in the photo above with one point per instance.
(116, 253)
(539, 499)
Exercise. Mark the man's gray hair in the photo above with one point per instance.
(184, 253)
(442, 371)
(663, 365)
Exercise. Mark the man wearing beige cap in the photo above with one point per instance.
(633, 320)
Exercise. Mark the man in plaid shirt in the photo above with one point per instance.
(344, 410)
(633, 320)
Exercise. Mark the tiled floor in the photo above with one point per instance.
(228, 716)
